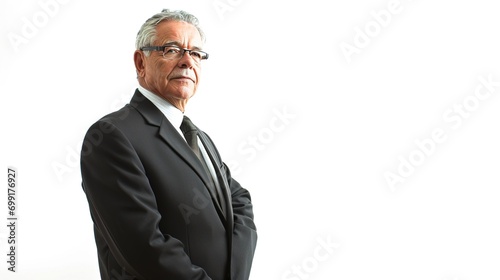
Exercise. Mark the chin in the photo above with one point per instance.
(186, 94)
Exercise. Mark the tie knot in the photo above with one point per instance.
(187, 125)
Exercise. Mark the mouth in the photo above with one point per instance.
(185, 78)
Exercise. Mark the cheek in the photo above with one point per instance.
(160, 70)
(197, 75)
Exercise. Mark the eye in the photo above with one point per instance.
(197, 55)
(171, 50)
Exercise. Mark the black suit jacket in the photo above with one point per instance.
(154, 216)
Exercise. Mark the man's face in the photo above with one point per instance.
(174, 80)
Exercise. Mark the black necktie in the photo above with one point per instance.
(191, 134)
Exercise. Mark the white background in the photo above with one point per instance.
(315, 175)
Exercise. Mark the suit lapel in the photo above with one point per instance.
(169, 134)
(217, 162)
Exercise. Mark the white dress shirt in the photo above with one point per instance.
(173, 115)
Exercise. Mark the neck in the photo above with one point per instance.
(177, 103)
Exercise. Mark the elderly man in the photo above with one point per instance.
(164, 205)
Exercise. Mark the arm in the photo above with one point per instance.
(124, 209)
(244, 232)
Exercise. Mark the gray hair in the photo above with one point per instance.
(147, 34)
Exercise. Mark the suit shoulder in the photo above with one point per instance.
(126, 113)
(121, 118)
(125, 120)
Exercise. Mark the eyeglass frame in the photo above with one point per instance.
(184, 50)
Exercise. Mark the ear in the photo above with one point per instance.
(139, 61)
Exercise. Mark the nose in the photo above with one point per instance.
(186, 61)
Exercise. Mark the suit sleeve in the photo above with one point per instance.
(124, 209)
(244, 231)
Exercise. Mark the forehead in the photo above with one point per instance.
(181, 32)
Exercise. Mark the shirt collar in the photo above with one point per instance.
(173, 115)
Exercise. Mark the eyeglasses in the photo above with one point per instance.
(175, 52)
